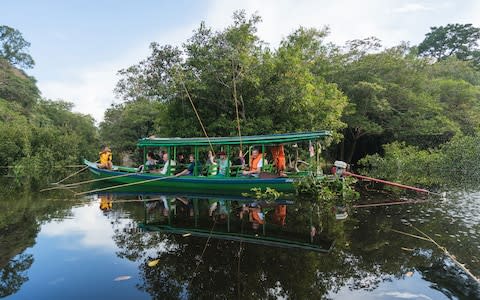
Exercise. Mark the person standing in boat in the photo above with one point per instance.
(105, 158)
(278, 154)
(256, 164)
(168, 164)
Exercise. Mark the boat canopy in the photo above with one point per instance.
(235, 140)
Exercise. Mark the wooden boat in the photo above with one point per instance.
(231, 183)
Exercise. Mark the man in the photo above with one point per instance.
(167, 164)
(256, 164)
(191, 167)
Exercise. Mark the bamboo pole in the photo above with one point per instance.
(124, 185)
(101, 179)
(389, 203)
(445, 251)
(87, 181)
(81, 170)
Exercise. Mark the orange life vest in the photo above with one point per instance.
(278, 154)
(254, 162)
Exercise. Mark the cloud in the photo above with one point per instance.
(412, 7)
(90, 88)
(85, 229)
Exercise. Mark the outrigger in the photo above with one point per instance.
(233, 182)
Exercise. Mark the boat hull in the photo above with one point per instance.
(148, 182)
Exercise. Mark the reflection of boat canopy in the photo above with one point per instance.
(230, 236)
(245, 140)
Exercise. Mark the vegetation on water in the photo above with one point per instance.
(327, 191)
(407, 110)
(269, 195)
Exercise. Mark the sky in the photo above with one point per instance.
(79, 46)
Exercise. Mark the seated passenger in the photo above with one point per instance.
(223, 164)
(105, 158)
(168, 163)
(256, 164)
(191, 167)
(150, 164)
(181, 159)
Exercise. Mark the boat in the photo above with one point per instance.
(232, 183)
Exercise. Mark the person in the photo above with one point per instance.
(256, 164)
(223, 164)
(191, 167)
(255, 214)
(280, 214)
(105, 158)
(167, 164)
(240, 161)
(181, 159)
(210, 158)
(218, 209)
(150, 164)
(182, 206)
(278, 154)
(106, 202)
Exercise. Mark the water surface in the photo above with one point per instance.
(150, 246)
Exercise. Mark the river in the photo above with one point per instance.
(151, 246)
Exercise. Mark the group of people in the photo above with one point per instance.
(161, 163)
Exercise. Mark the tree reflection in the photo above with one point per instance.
(367, 253)
(13, 274)
(23, 212)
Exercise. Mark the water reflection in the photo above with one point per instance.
(53, 246)
(241, 219)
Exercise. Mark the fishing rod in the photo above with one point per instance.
(340, 170)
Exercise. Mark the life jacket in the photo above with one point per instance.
(258, 217)
(105, 157)
(278, 154)
(254, 162)
(280, 214)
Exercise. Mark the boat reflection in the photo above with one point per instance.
(279, 223)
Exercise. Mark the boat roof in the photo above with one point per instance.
(235, 140)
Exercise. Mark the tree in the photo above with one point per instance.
(16, 86)
(233, 80)
(460, 40)
(14, 48)
(125, 123)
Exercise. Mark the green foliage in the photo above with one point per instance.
(269, 195)
(459, 163)
(327, 191)
(459, 40)
(124, 124)
(454, 163)
(405, 164)
(13, 47)
(230, 74)
(16, 86)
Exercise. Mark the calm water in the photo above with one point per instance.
(130, 246)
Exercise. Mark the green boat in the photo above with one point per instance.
(203, 180)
